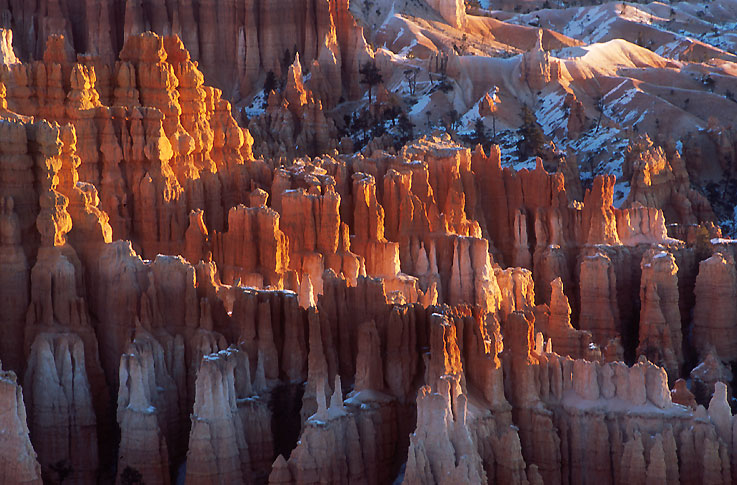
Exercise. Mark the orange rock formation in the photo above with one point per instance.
(421, 314)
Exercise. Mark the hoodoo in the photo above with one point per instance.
(368, 242)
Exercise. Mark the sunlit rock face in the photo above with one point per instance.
(293, 243)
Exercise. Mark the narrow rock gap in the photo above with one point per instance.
(285, 406)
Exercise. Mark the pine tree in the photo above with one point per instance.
(378, 128)
(453, 119)
(371, 76)
(533, 139)
(479, 136)
(270, 84)
(406, 129)
(599, 104)
(286, 61)
(361, 124)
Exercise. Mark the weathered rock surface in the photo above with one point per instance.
(251, 293)
(715, 309)
(230, 421)
(19, 463)
(14, 286)
(566, 340)
(60, 411)
(257, 35)
(662, 183)
(148, 409)
(660, 319)
(599, 310)
(441, 448)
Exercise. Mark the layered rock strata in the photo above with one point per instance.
(353, 322)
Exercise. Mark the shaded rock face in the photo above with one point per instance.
(148, 410)
(19, 460)
(218, 450)
(14, 286)
(537, 67)
(566, 340)
(437, 447)
(255, 34)
(599, 312)
(660, 337)
(295, 121)
(340, 319)
(61, 413)
(713, 315)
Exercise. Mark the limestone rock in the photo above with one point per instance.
(660, 318)
(453, 12)
(639, 224)
(7, 55)
(148, 409)
(537, 67)
(566, 340)
(60, 408)
(255, 247)
(217, 445)
(329, 449)
(681, 395)
(599, 220)
(14, 284)
(19, 463)
(337, 268)
(441, 449)
(707, 374)
(662, 183)
(599, 310)
(369, 372)
(715, 309)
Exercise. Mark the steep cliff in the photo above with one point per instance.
(422, 314)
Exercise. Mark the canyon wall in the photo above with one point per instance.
(425, 315)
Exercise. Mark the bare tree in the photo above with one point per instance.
(411, 76)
